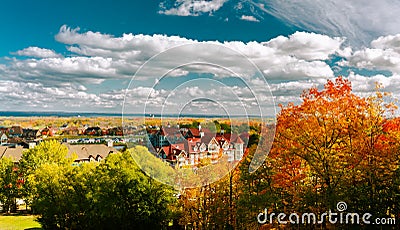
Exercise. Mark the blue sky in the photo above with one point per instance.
(82, 55)
(28, 23)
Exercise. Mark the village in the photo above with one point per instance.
(87, 143)
(189, 145)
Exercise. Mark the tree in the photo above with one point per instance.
(47, 152)
(124, 198)
(113, 194)
(10, 184)
(333, 143)
(255, 191)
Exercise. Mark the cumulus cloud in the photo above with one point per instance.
(307, 46)
(37, 52)
(100, 67)
(384, 55)
(191, 7)
(36, 96)
(98, 58)
(387, 42)
(249, 18)
(296, 56)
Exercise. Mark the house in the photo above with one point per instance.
(17, 141)
(130, 130)
(89, 152)
(115, 131)
(232, 145)
(165, 136)
(93, 131)
(237, 144)
(71, 131)
(196, 150)
(3, 139)
(4, 130)
(30, 134)
(15, 131)
(174, 154)
(47, 132)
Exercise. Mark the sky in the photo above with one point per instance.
(191, 56)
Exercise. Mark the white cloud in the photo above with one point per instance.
(290, 64)
(387, 42)
(249, 18)
(358, 20)
(36, 96)
(307, 46)
(385, 55)
(191, 7)
(127, 46)
(98, 58)
(59, 70)
(37, 52)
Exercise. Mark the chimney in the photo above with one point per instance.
(199, 127)
(201, 134)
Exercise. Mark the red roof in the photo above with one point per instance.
(195, 132)
(168, 150)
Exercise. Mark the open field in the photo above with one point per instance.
(18, 222)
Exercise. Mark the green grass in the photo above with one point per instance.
(18, 222)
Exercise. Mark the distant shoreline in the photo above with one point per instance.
(95, 114)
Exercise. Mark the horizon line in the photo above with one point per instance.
(110, 114)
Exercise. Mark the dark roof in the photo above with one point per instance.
(170, 131)
(207, 137)
(16, 130)
(30, 133)
(236, 139)
(94, 128)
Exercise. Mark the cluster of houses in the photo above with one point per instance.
(83, 153)
(188, 146)
(15, 139)
(21, 136)
(177, 146)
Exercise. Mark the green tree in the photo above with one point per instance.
(47, 152)
(124, 198)
(113, 194)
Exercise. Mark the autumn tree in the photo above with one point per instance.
(10, 184)
(333, 141)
